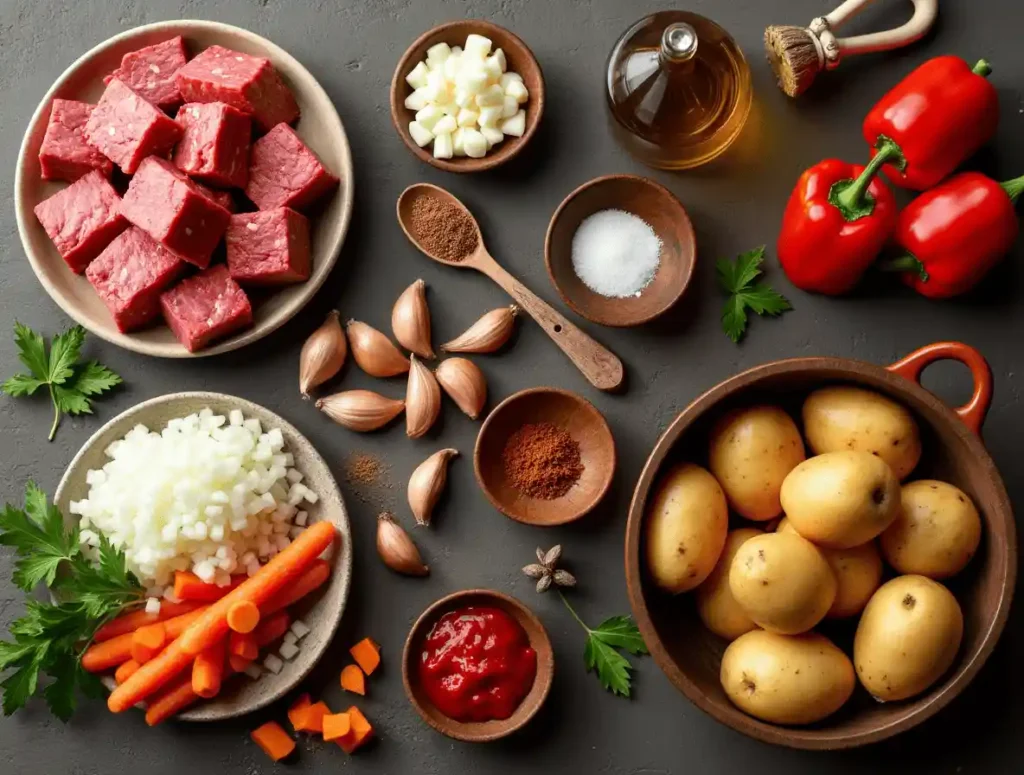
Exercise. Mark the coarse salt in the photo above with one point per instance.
(615, 253)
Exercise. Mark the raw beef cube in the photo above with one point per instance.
(205, 307)
(270, 247)
(126, 128)
(163, 202)
(283, 172)
(82, 219)
(215, 143)
(248, 83)
(65, 154)
(223, 198)
(150, 71)
(130, 275)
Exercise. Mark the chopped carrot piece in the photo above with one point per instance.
(124, 672)
(271, 628)
(336, 726)
(297, 711)
(312, 718)
(238, 664)
(243, 645)
(148, 641)
(188, 586)
(353, 680)
(243, 616)
(130, 622)
(361, 730)
(118, 650)
(172, 700)
(274, 741)
(366, 653)
(208, 670)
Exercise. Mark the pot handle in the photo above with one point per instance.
(973, 412)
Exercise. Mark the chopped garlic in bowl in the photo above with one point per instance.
(213, 494)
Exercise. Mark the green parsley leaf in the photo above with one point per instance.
(39, 538)
(60, 693)
(612, 668)
(622, 633)
(21, 684)
(737, 279)
(70, 383)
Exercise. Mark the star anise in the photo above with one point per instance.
(547, 572)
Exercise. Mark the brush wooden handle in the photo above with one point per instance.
(886, 40)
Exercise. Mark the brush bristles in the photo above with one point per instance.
(793, 55)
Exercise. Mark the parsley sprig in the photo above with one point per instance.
(50, 638)
(737, 279)
(70, 383)
(600, 655)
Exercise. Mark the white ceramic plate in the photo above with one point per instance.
(321, 611)
(319, 127)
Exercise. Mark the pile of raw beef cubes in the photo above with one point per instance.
(149, 252)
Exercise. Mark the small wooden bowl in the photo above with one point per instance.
(646, 199)
(520, 60)
(690, 655)
(478, 732)
(567, 410)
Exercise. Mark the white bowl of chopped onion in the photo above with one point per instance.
(215, 485)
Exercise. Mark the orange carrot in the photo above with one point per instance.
(298, 710)
(336, 725)
(243, 616)
(284, 569)
(273, 740)
(353, 680)
(188, 586)
(116, 651)
(208, 670)
(243, 645)
(171, 701)
(271, 629)
(238, 664)
(125, 671)
(150, 678)
(130, 622)
(312, 579)
(366, 653)
(361, 731)
(147, 642)
(312, 718)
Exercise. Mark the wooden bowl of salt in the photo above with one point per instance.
(620, 250)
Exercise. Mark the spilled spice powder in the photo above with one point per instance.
(442, 228)
(361, 468)
(367, 475)
(542, 460)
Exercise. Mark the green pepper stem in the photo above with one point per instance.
(852, 198)
(908, 262)
(983, 68)
(1013, 188)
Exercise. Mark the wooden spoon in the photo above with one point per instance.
(599, 365)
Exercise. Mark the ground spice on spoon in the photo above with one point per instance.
(442, 228)
(542, 460)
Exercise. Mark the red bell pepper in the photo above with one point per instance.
(939, 115)
(836, 221)
(955, 233)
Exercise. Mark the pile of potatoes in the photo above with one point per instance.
(843, 510)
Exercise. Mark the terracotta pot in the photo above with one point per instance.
(690, 655)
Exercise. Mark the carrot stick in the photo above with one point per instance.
(243, 645)
(126, 670)
(172, 701)
(353, 680)
(208, 670)
(151, 678)
(243, 616)
(238, 664)
(130, 622)
(147, 641)
(284, 569)
(366, 653)
(116, 651)
(271, 629)
(188, 586)
(312, 579)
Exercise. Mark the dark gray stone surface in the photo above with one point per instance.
(352, 47)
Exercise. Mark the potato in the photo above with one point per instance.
(841, 499)
(858, 573)
(687, 521)
(782, 582)
(716, 606)
(937, 532)
(846, 417)
(907, 637)
(786, 679)
(752, 450)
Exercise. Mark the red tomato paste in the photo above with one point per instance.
(477, 664)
